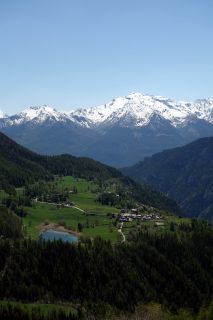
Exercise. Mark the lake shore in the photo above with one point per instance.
(56, 227)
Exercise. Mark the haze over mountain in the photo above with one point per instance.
(184, 173)
(118, 133)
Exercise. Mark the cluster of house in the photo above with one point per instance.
(134, 214)
(67, 204)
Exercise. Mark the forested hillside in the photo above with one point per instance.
(173, 271)
(184, 173)
(10, 224)
(19, 166)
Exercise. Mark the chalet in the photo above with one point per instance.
(124, 211)
(134, 210)
(123, 219)
(159, 224)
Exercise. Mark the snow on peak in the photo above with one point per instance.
(1, 114)
(138, 109)
(39, 114)
(35, 112)
(135, 109)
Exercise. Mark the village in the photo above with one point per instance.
(126, 215)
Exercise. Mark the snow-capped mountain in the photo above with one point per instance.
(139, 109)
(36, 115)
(40, 114)
(135, 109)
(120, 132)
(1, 114)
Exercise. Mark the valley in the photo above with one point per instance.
(185, 174)
(106, 160)
(134, 247)
(83, 215)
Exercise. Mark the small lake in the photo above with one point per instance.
(58, 235)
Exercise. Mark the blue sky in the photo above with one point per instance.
(73, 53)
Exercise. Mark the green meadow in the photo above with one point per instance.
(87, 211)
(44, 308)
(169, 224)
(94, 220)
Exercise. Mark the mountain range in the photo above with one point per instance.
(185, 174)
(119, 133)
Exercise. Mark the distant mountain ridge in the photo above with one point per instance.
(136, 109)
(184, 173)
(119, 133)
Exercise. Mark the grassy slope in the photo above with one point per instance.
(45, 308)
(85, 200)
(150, 226)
